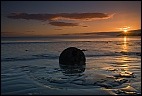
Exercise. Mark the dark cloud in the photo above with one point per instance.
(57, 29)
(52, 18)
(63, 24)
(84, 26)
(12, 33)
(58, 16)
(29, 31)
(42, 17)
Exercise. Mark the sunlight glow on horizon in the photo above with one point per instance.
(43, 20)
(125, 29)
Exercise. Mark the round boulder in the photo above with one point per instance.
(72, 56)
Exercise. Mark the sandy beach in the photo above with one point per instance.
(113, 67)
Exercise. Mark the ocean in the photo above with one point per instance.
(30, 66)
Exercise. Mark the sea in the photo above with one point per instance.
(30, 66)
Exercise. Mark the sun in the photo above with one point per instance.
(125, 29)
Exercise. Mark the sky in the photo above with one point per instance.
(44, 18)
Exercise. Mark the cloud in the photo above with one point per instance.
(63, 24)
(15, 33)
(84, 26)
(52, 18)
(82, 16)
(29, 31)
(26, 16)
(12, 33)
(57, 29)
(60, 16)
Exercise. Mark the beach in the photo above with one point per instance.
(31, 66)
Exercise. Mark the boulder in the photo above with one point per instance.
(72, 56)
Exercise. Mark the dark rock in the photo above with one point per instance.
(72, 56)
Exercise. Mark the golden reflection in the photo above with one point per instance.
(123, 65)
(122, 61)
(124, 45)
(125, 39)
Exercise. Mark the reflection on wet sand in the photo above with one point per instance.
(122, 63)
(124, 59)
(72, 69)
(124, 46)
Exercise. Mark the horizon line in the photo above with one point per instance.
(54, 35)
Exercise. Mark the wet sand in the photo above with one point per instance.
(112, 68)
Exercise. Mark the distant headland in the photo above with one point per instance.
(131, 33)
